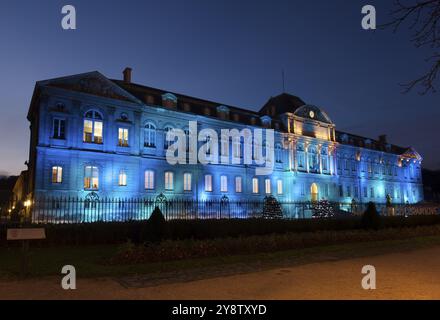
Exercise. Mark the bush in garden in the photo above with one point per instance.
(371, 218)
(157, 226)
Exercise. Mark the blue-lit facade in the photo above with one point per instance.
(93, 134)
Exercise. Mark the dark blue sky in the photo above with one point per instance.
(227, 51)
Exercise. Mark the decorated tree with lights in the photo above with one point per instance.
(272, 208)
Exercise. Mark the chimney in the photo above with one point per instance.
(127, 75)
(383, 139)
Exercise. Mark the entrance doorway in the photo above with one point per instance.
(314, 192)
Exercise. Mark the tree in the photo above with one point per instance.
(423, 17)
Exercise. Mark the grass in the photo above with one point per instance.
(89, 261)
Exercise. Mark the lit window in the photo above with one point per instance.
(224, 184)
(149, 180)
(122, 178)
(169, 180)
(93, 127)
(59, 129)
(187, 182)
(150, 135)
(208, 183)
(123, 137)
(57, 174)
(267, 186)
(280, 186)
(255, 185)
(91, 178)
(238, 184)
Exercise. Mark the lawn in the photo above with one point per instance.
(91, 261)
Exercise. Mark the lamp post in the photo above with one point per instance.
(27, 205)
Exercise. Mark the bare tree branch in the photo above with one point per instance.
(423, 16)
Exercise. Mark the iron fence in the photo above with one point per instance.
(93, 209)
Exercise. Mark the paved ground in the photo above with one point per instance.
(408, 275)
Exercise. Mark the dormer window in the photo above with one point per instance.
(124, 116)
(266, 121)
(223, 112)
(169, 100)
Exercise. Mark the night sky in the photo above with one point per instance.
(226, 51)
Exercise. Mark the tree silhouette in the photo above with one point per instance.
(423, 17)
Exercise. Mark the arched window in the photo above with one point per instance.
(149, 135)
(93, 127)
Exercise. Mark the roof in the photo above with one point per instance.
(274, 107)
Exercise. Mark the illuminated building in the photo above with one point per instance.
(93, 134)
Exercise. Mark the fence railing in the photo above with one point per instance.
(93, 209)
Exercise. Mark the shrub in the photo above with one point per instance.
(157, 226)
(371, 218)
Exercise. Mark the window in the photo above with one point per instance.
(348, 191)
(372, 192)
(255, 185)
(224, 184)
(91, 178)
(122, 178)
(341, 191)
(93, 126)
(59, 129)
(278, 153)
(150, 135)
(123, 137)
(365, 192)
(57, 175)
(280, 186)
(267, 186)
(149, 180)
(169, 180)
(187, 181)
(238, 184)
(208, 183)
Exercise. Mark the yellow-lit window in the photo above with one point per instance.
(122, 178)
(255, 185)
(57, 174)
(280, 186)
(91, 178)
(93, 127)
(123, 137)
(267, 186)
(169, 180)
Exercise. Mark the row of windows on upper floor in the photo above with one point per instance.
(93, 133)
(385, 169)
(92, 181)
